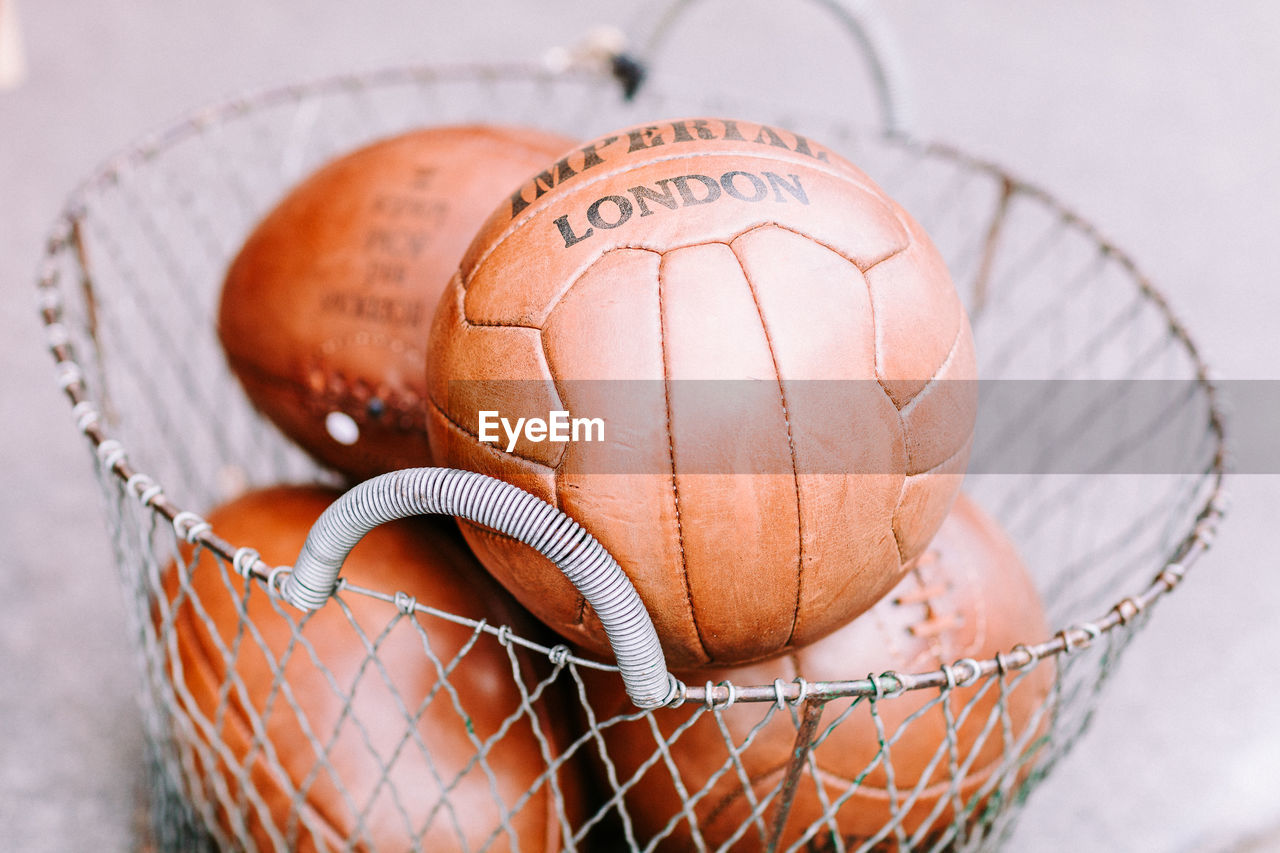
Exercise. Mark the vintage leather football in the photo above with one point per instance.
(325, 310)
(778, 360)
(969, 596)
(297, 762)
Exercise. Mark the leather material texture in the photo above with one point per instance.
(327, 306)
(270, 782)
(795, 437)
(969, 596)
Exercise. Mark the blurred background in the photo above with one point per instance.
(1158, 122)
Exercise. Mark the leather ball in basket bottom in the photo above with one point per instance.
(969, 596)
(326, 308)
(776, 354)
(297, 762)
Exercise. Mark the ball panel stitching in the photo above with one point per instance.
(791, 446)
(675, 484)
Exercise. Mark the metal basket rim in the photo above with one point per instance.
(112, 455)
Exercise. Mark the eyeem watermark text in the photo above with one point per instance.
(557, 427)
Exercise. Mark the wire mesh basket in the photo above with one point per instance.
(940, 758)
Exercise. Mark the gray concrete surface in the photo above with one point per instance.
(1159, 121)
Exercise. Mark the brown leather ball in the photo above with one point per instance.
(969, 596)
(287, 746)
(773, 347)
(325, 310)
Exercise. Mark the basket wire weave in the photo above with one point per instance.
(127, 290)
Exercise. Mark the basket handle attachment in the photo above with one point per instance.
(509, 510)
(867, 29)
